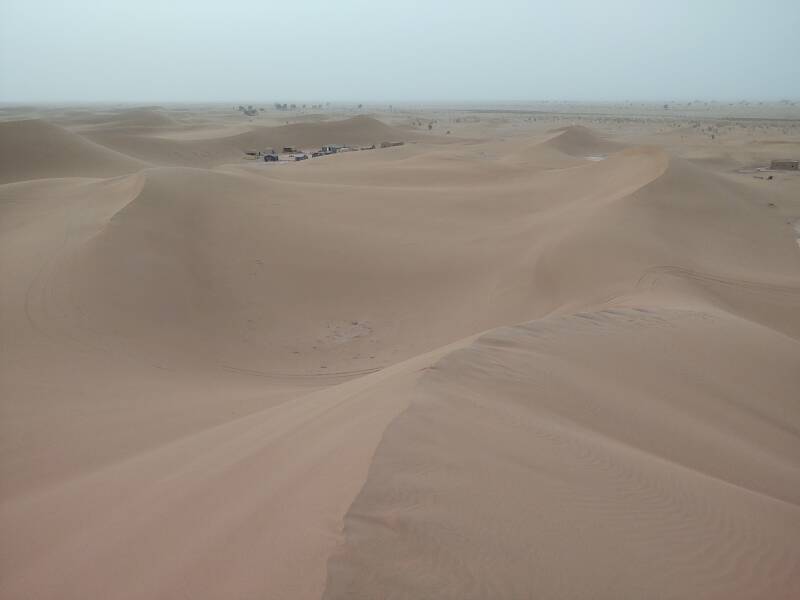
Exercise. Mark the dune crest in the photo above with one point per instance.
(534, 459)
(170, 146)
(35, 149)
(581, 141)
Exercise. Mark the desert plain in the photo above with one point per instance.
(536, 351)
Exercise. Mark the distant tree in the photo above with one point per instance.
(360, 106)
(430, 126)
(294, 107)
(304, 106)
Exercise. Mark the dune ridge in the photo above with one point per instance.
(577, 140)
(521, 461)
(159, 146)
(35, 149)
(293, 469)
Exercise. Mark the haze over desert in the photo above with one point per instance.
(291, 345)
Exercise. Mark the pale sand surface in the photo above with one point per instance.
(545, 351)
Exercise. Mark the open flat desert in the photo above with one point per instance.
(541, 351)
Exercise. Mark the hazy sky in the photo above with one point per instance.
(376, 50)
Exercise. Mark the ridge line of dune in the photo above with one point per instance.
(431, 485)
(152, 481)
(485, 338)
(360, 383)
(33, 149)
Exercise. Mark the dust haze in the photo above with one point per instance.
(362, 50)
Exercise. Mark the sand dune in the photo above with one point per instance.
(155, 273)
(535, 459)
(35, 149)
(491, 367)
(144, 117)
(251, 505)
(129, 119)
(165, 149)
(356, 130)
(582, 141)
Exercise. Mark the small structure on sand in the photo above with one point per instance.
(271, 157)
(391, 144)
(256, 154)
(785, 164)
(331, 148)
(289, 149)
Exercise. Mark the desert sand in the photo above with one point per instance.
(543, 351)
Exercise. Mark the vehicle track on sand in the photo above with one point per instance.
(300, 376)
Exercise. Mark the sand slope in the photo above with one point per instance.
(35, 149)
(160, 146)
(249, 507)
(535, 461)
(223, 379)
(356, 130)
(280, 276)
(581, 141)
